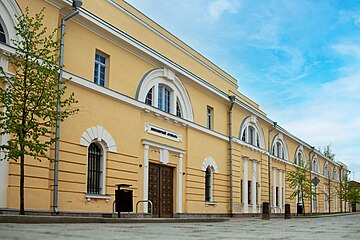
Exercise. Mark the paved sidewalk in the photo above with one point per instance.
(336, 227)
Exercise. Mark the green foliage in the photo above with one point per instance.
(301, 184)
(327, 151)
(30, 100)
(31, 94)
(354, 194)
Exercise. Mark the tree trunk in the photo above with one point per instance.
(22, 180)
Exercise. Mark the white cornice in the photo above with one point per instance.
(148, 26)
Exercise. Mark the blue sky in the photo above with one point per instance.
(298, 59)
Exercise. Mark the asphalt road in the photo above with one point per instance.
(335, 227)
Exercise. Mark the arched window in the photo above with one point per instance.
(279, 147)
(162, 89)
(251, 132)
(299, 158)
(95, 183)
(2, 34)
(98, 142)
(208, 184)
(209, 166)
(315, 166)
(335, 174)
(326, 170)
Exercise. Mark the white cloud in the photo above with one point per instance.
(347, 86)
(349, 49)
(218, 7)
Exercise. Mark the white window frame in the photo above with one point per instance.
(258, 135)
(98, 65)
(167, 78)
(283, 153)
(209, 117)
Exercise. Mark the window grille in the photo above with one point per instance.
(208, 184)
(94, 169)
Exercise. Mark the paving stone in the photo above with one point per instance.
(336, 227)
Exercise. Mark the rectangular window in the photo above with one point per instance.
(209, 117)
(249, 192)
(100, 69)
(257, 193)
(277, 196)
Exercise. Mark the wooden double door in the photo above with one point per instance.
(161, 190)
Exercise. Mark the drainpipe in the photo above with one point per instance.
(76, 5)
(273, 127)
(310, 163)
(232, 99)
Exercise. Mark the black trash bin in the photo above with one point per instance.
(123, 199)
(287, 214)
(299, 209)
(266, 211)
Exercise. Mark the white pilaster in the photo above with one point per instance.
(245, 186)
(280, 191)
(259, 190)
(274, 189)
(253, 186)
(4, 164)
(180, 175)
(146, 177)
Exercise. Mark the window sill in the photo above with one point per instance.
(211, 203)
(97, 196)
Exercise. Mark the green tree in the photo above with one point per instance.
(301, 184)
(327, 151)
(30, 96)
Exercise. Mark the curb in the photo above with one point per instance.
(28, 219)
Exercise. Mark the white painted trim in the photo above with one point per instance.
(97, 196)
(299, 149)
(168, 78)
(146, 178)
(209, 161)
(280, 138)
(259, 190)
(180, 183)
(128, 100)
(173, 43)
(274, 189)
(253, 186)
(8, 10)
(252, 121)
(315, 165)
(280, 191)
(162, 146)
(99, 134)
(245, 185)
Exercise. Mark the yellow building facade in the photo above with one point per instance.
(159, 116)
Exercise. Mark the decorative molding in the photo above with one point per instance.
(252, 121)
(100, 134)
(118, 6)
(280, 138)
(162, 146)
(209, 161)
(166, 77)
